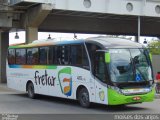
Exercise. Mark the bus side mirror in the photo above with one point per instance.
(107, 57)
(150, 56)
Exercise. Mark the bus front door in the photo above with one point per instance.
(100, 77)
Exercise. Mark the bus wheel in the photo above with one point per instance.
(83, 97)
(30, 90)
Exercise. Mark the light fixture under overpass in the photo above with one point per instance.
(75, 36)
(145, 41)
(16, 36)
(49, 36)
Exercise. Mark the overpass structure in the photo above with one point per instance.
(129, 17)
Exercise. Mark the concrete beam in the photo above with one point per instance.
(118, 7)
(36, 15)
(4, 42)
(119, 25)
(33, 18)
(5, 20)
(89, 25)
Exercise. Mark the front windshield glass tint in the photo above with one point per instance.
(129, 65)
(120, 65)
(142, 65)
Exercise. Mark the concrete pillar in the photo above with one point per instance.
(31, 34)
(33, 18)
(4, 42)
(136, 39)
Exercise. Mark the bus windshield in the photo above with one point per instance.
(130, 65)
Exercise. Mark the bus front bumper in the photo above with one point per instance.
(115, 98)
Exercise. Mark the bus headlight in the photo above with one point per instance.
(115, 88)
(135, 91)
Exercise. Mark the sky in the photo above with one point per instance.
(44, 35)
(60, 36)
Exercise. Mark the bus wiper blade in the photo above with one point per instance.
(132, 68)
(136, 68)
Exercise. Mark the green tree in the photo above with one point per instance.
(154, 47)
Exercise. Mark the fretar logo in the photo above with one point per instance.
(44, 79)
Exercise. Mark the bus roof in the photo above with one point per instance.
(107, 42)
(48, 43)
(115, 42)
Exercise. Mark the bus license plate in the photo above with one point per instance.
(136, 98)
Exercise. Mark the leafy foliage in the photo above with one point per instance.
(154, 47)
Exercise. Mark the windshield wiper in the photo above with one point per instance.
(136, 68)
(133, 68)
(142, 74)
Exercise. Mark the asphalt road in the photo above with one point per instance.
(14, 102)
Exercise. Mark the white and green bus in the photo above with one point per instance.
(109, 71)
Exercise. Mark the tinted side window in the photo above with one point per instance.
(32, 56)
(50, 55)
(20, 56)
(43, 55)
(79, 56)
(100, 66)
(11, 56)
(85, 58)
(76, 55)
(65, 57)
(54, 55)
(92, 52)
(59, 55)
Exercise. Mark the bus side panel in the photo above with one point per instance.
(17, 78)
(68, 79)
(60, 81)
(63, 82)
(14, 79)
(82, 77)
(101, 92)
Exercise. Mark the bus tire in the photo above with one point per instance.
(30, 90)
(83, 97)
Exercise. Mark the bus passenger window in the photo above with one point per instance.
(92, 52)
(50, 55)
(11, 56)
(43, 55)
(79, 56)
(21, 56)
(59, 55)
(65, 55)
(76, 55)
(32, 56)
(85, 59)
